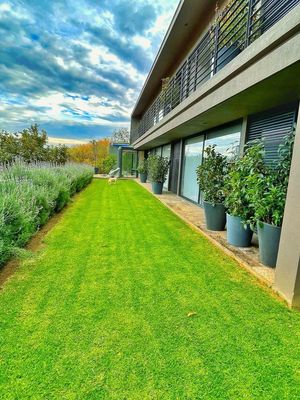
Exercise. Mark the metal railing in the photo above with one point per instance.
(239, 24)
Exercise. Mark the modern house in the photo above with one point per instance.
(227, 72)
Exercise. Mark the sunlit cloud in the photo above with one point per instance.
(76, 69)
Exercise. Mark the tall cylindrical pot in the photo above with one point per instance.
(215, 216)
(237, 234)
(268, 238)
(157, 187)
(143, 177)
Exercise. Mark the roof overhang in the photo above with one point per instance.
(190, 18)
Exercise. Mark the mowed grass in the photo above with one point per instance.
(101, 312)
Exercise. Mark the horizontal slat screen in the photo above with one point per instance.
(272, 129)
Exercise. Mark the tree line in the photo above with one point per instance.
(31, 146)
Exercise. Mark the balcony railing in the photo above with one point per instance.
(235, 28)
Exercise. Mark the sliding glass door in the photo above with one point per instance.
(193, 153)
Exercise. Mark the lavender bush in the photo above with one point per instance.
(30, 194)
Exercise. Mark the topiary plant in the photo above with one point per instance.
(211, 175)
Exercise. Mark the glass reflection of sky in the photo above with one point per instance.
(226, 145)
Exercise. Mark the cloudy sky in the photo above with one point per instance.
(76, 67)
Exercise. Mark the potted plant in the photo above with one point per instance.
(157, 169)
(237, 201)
(143, 171)
(268, 192)
(210, 177)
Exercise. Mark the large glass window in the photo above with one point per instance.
(226, 140)
(193, 151)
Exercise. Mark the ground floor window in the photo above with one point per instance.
(192, 157)
(227, 142)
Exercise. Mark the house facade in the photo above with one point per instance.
(226, 73)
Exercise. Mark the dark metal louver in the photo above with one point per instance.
(272, 128)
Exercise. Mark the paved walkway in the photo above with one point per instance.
(194, 215)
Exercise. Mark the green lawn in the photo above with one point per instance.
(101, 312)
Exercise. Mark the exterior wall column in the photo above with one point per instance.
(120, 161)
(287, 275)
(180, 168)
(243, 136)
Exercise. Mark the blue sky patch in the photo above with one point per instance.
(76, 68)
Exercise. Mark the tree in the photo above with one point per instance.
(57, 155)
(9, 147)
(32, 144)
(92, 153)
(121, 135)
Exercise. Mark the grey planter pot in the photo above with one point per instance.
(157, 187)
(268, 238)
(237, 235)
(215, 216)
(143, 177)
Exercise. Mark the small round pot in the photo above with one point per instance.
(215, 216)
(237, 234)
(268, 238)
(157, 187)
(143, 177)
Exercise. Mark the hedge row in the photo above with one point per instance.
(29, 195)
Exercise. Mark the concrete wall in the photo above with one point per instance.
(263, 76)
(287, 279)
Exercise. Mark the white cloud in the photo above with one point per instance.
(67, 142)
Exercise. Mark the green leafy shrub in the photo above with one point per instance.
(158, 168)
(267, 191)
(143, 167)
(29, 195)
(242, 174)
(107, 164)
(211, 175)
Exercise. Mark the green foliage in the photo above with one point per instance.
(158, 168)
(9, 147)
(242, 174)
(107, 164)
(30, 145)
(211, 175)
(267, 191)
(30, 195)
(143, 167)
(125, 301)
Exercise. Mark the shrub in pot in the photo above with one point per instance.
(237, 201)
(268, 193)
(143, 171)
(210, 177)
(157, 169)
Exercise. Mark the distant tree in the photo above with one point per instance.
(57, 155)
(9, 147)
(32, 144)
(121, 135)
(92, 153)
